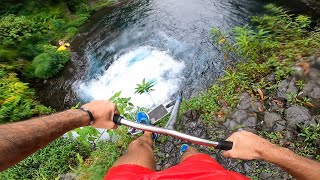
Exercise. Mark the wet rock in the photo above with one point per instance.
(295, 115)
(270, 119)
(239, 115)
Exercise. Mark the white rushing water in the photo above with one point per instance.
(130, 69)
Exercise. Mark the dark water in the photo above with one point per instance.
(165, 41)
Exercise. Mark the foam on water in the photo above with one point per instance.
(128, 70)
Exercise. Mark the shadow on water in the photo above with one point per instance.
(164, 41)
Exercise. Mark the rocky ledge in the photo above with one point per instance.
(278, 117)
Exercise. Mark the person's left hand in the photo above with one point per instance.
(103, 112)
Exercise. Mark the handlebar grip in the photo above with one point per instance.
(224, 145)
(116, 119)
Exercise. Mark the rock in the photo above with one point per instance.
(270, 120)
(271, 77)
(317, 63)
(250, 122)
(227, 123)
(295, 115)
(314, 74)
(298, 72)
(168, 147)
(254, 107)
(274, 107)
(239, 115)
(282, 89)
(68, 176)
(233, 125)
(316, 119)
(244, 103)
(292, 89)
(265, 175)
(314, 96)
(286, 87)
(279, 126)
(308, 87)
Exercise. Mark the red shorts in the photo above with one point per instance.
(200, 166)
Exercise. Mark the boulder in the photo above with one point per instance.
(270, 119)
(295, 115)
(244, 103)
(250, 122)
(287, 87)
(239, 115)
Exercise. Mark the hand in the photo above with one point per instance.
(247, 146)
(103, 112)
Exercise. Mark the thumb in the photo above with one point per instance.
(226, 154)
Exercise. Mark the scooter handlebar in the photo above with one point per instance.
(222, 145)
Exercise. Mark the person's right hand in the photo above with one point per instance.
(247, 146)
(103, 112)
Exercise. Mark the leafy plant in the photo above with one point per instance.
(48, 162)
(145, 87)
(16, 100)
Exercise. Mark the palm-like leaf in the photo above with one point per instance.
(145, 87)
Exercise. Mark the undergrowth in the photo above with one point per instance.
(48, 162)
(29, 33)
(271, 44)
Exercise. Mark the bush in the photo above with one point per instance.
(49, 162)
(14, 29)
(49, 63)
(71, 32)
(16, 100)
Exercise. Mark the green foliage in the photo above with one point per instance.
(144, 87)
(105, 155)
(16, 100)
(271, 44)
(48, 162)
(311, 134)
(123, 104)
(48, 64)
(86, 136)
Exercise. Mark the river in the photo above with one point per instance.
(164, 41)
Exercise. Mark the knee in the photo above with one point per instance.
(139, 144)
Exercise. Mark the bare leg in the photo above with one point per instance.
(190, 152)
(140, 152)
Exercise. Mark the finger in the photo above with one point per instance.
(226, 154)
(117, 111)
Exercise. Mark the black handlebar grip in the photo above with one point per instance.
(224, 145)
(116, 119)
